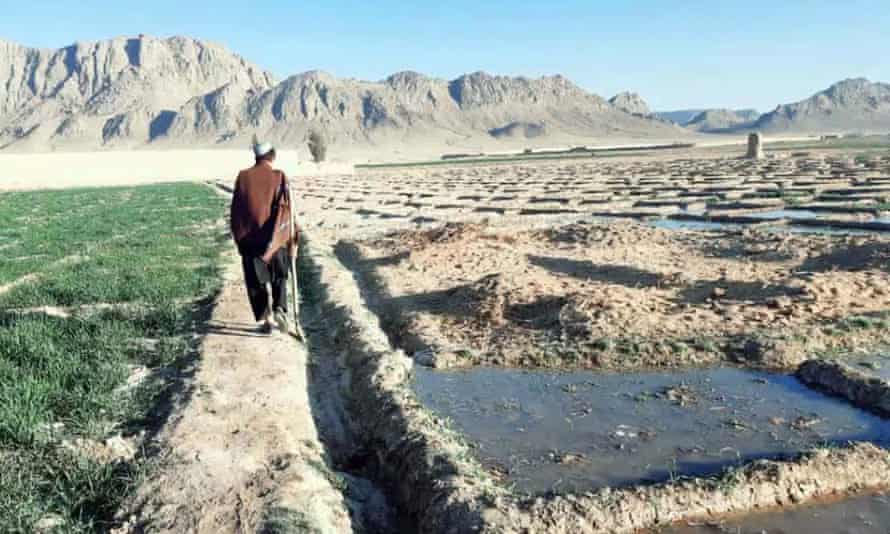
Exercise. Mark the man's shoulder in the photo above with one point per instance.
(261, 171)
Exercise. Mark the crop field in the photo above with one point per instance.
(99, 291)
(627, 344)
(696, 345)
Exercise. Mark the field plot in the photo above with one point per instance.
(573, 432)
(101, 288)
(625, 295)
(618, 345)
(807, 192)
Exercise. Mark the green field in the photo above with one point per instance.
(866, 144)
(131, 270)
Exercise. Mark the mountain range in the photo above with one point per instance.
(852, 105)
(181, 92)
(174, 92)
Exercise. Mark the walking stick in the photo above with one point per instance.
(295, 288)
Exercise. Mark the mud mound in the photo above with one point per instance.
(591, 315)
(453, 232)
(602, 234)
(443, 235)
(487, 299)
(573, 234)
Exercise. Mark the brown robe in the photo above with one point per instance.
(251, 213)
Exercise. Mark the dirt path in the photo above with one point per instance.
(241, 450)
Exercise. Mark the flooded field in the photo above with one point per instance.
(835, 191)
(577, 431)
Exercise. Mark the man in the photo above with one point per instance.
(259, 200)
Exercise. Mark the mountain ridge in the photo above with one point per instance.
(852, 104)
(132, 92)
(128, 92)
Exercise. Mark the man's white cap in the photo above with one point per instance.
(261, 149)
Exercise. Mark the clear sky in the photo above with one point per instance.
(675, 53)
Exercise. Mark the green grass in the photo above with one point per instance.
(60, 378)
(869, 144)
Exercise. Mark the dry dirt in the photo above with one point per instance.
(123, 168)
(241, 450)
(622, 295)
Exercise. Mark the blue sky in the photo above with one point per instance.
(675, 53)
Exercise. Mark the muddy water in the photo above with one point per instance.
(669, 224)
(575, 431)
(869, 514)
(784, 214)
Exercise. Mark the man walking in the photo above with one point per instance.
(260, 223)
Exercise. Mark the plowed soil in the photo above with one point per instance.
(624, 294)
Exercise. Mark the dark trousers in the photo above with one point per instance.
(256, 289)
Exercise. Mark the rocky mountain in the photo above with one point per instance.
(132, 92)
(116, 92)
(683, 117)
(722, 120)
(631, 103)
(852, 105)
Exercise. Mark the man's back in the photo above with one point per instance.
(251, 212)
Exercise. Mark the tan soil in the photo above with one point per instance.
(121, 167)
(760, 486)
(866, 391)
(241, 445)
(626, 294)
(434, 478)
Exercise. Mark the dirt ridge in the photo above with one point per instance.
(759, 486)
(860, 388)
(428, 466)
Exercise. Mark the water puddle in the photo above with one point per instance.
(784, 214)
(575, 431)
(819, 230)
(671, 224)
(869, 514)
